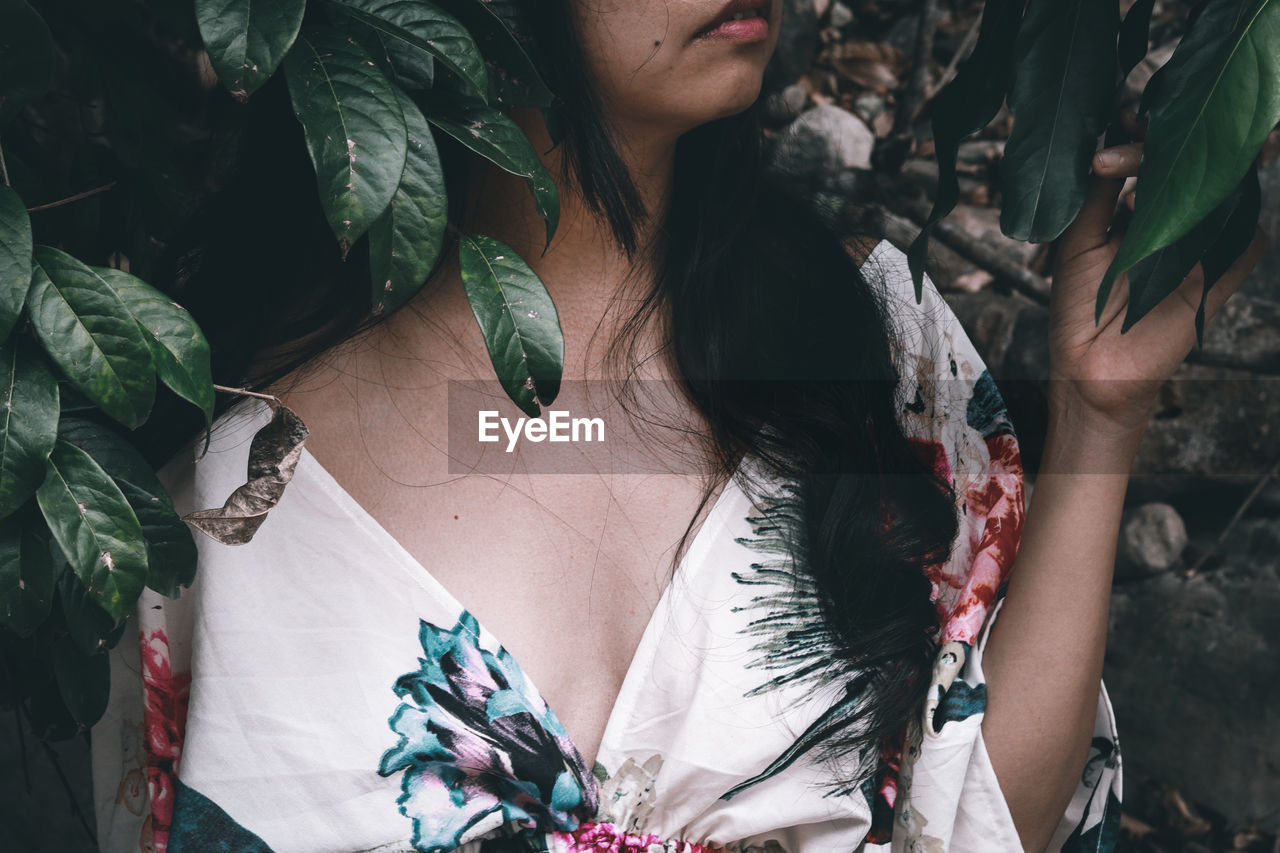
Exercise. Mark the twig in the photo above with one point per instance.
(1235, 519)
(984, 255)
(66, 786)
(914, 98)
(4, 169)
(966, 47)
(60, 202)
(245, 392)
(22, 750)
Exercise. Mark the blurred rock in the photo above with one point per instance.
(825, 139)
(1193, 673)
(1152, 538)
(785, 106)
(841, 15)
(797, 45)
(1213, 423)
(1244, 333)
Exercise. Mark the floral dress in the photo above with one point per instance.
(318, 690)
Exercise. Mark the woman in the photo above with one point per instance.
(785, 642)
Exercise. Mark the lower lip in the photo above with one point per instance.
(746, 29)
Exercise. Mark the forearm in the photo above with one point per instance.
(1043, 660)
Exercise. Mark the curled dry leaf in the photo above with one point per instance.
(273, 457)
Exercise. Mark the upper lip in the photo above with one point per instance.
(732, 8)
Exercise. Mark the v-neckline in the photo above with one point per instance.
(713, 522)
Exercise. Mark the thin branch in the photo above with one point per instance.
(979, 252)
(60, 202)
(1235, 519)
(66, 786)
(4, 169)
(966, 47)
(913, 100)
(245, 392)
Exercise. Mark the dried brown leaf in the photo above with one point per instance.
(273, 457)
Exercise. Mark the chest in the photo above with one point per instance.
(565, 570)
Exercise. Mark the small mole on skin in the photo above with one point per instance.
(455, 518)
(656, 43)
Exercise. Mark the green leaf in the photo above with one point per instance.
(90, 627)
(94, 526)
(171, 549)
(966, 105)
(1135, 32)
(1235, 238)
(518, 319)
(26, 574)
(1063, 87)
(90, 335)
(120, 459)
(15, 259)
(1218, 99)
(28, 422)
(405, 241)
(416, 25)
(246, 39)
(353, 126)
(498, 139)
(1157, 275)
(179, 351)
(26, 56)
(84, 681)
(514, 80)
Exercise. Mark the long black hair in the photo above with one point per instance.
(781, 342)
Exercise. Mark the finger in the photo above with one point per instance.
(1090, 229)
(1137, 129)
(1118, 160)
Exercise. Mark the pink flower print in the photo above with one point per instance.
(165, 722)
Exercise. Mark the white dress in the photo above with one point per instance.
(318, 690)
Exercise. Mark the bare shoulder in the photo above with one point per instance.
(859, 247)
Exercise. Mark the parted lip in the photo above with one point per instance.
(732, 8)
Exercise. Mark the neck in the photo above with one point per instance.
(584, 266)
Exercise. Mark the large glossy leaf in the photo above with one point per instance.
(120, 459)
(89, 334)
(1157, 275)
(1234, 240)
(967, 104)
(26, 56)
(417, 25)
(497, 138)
(518, 319)
(179, 351)
(28, 422)
(171, 549)
(95, 527)
(1219, 97)
(246, 39)
(15, 258)
(353, 126)
(405, 241)
(84, 681)
(26, 573)
(89, 625)
(514, 80)
(1063, 87)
